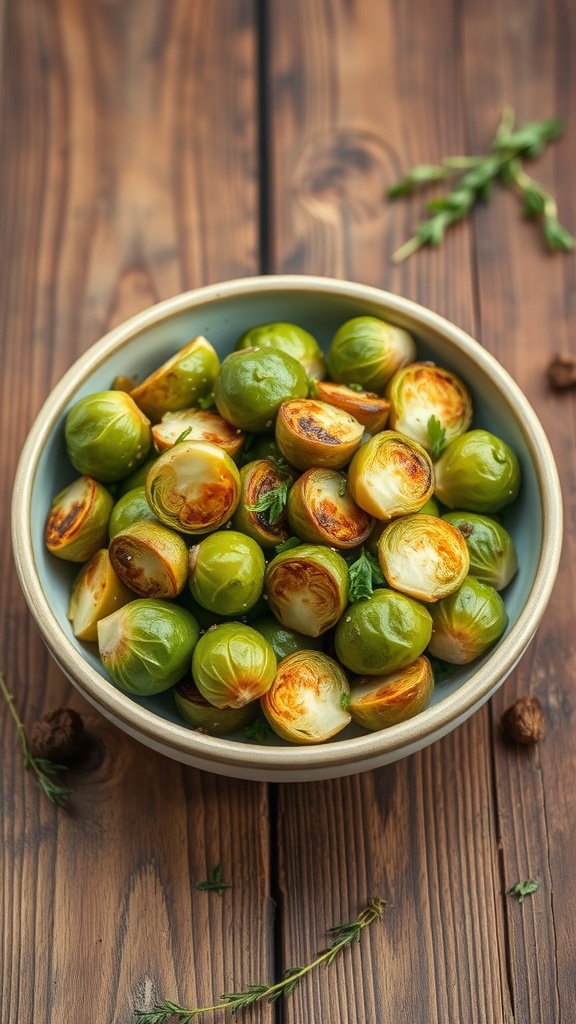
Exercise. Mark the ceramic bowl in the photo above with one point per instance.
(221, 313)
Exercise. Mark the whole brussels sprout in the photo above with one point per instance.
(107, 435)
(308, 700)
(233, 665)
(129, 509)
(377, 702)
(312, 434)
(382, 633)
(421, 391)
(200, 714)
(193, 487)
(146, 646)
(307, 588)
(77, 523)
(465, 624)
(477, 472)
(179, 382)
(423, 556)
(226, 572)
(253, 383)
(391, 475)
(493, 557)
(367, 351)
(290, 338)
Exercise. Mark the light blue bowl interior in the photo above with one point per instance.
(222, 322)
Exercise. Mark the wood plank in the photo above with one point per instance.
(360, 91)
(129, 146)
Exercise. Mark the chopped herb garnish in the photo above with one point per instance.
(364, 575)
(215, 883)
(272, 501)
(206, 401)
(355, 387)
(287, 545)
(522, 889)
(437, 435)
(258, 731)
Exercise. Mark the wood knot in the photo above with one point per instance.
(344, 174)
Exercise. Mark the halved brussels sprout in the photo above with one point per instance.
(96, 593)
(311, 434)
(391, 475)
(382, 633)
(423, 556)
(193, 487)
(198, 425)
(321, 510)
(200, 714)
(493, 557)
(77, 523)
(367, 351)
(130, 508)
(226, 572)
(107, 435)
(284, 641)
(179, 382)
(423, 390)
(307, 588)
(150, 559)
(253, 383)
(467, 623)
(366, 406)
(377, 702)
(308, 700)
(289, 338)
(477, 472)
(233, 665)
(146, 646)
(261, 511)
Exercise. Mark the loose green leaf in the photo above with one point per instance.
(355, 387)
(273, 502)
(342, 935)
(437, 435)
(206, 401)
(215, 882)
(183, 435)
(287, 545)
(342, 488)
(522, 889)
(258, 731)
(363, 576)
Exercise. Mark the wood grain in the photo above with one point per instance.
(115, 191)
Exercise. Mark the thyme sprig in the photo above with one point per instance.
(475, 177)
(342, 935)
(41, 767)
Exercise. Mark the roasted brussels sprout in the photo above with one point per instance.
(377, 702)
(493, 557)
(226, 572)
(477, 472)
(308, 700)
(320, 510)
(465, 624)
(233, 665)
(421, 391)
(77, 523)
(382, 633)
(146, 646)
(179, 382)
(423, 556)
(129, 509)
(391, 475)
(311, 434)
(96, 593)
(367, 351)
(289, 338)
(137, 478)
(307, 588)
(197, 425)
(284, 641)
(365, 406)
(107, 435)
(261, 511)
(200, 714)
(193, 487)
(150, 559)
(253, 383)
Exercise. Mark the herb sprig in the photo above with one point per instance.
(475, 177)
(272, 501)
(363, 576)
(215, 883)
(437, 435)
(522, 889)
(42, 768)
(342, 935)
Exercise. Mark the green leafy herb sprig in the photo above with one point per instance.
(273, 502)
(258, 731)
(522, 889)
(215, 883)
(363, 576)
(42, 768)
(474, 178)
(437, 435)
(342, 935)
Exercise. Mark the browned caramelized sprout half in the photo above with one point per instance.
(150, 559)
(423, 556)
(197, 425)
(366, 406)
(307, 588)
(391, 475)
(77, 523)
(96, 593)
(312, 434)
(179, 382)
(321, 510)
(193, 487)
(261, 511)
(377, 702)
(423, 390)
(308, 700)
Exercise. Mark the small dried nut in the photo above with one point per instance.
(562, 372)
(58, 735)
(524, 721)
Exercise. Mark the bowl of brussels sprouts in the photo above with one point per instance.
(287, 528)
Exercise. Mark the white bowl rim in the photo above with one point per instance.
(185, 742)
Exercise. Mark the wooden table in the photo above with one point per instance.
(149, 146)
